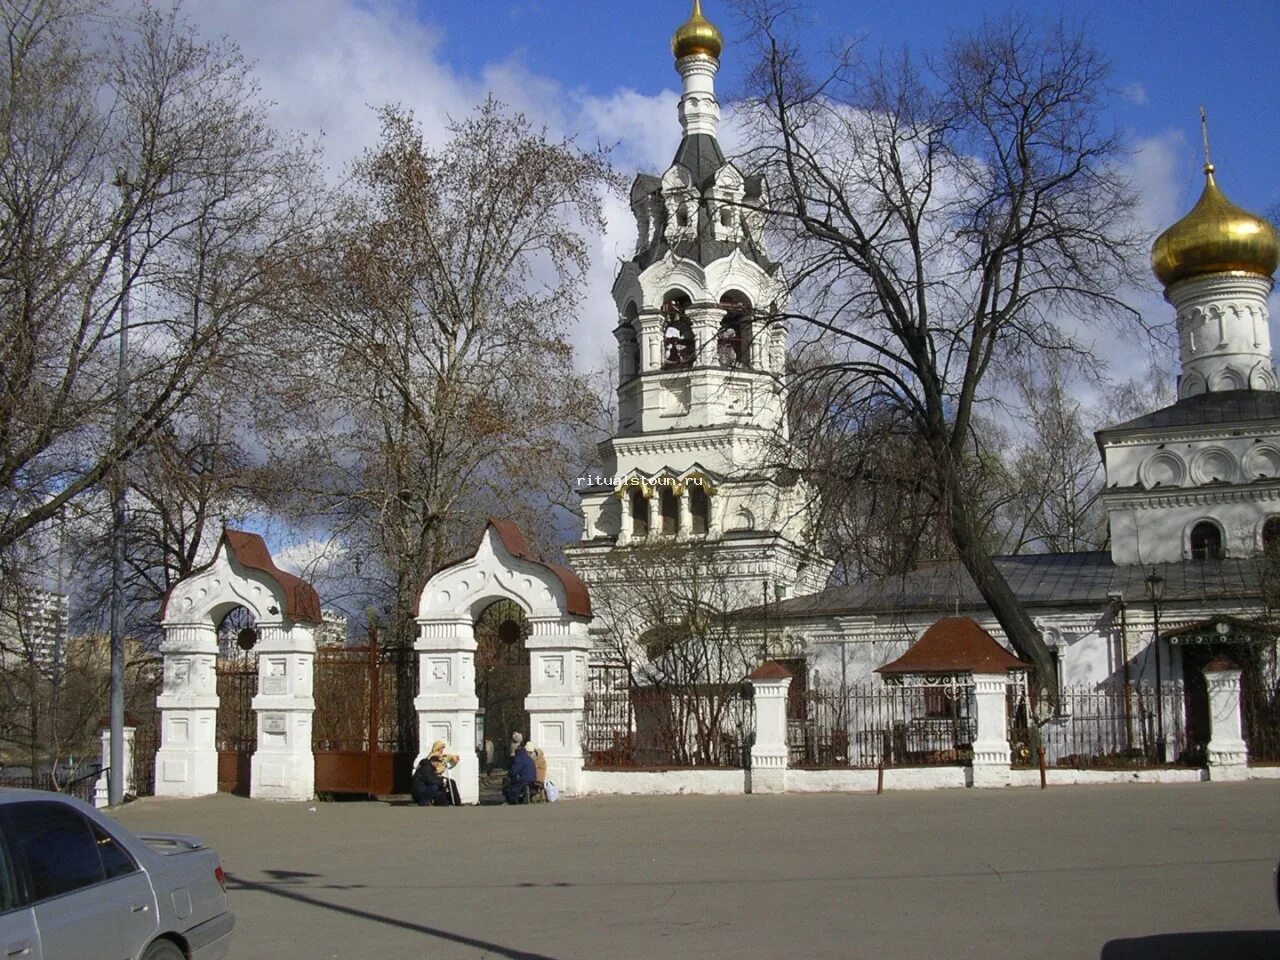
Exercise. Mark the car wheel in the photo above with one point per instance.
(163, 950)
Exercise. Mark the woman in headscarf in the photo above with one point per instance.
(442, 762)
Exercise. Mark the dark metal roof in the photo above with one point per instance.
(1227, 406)
(700, 154)
(1045, 579)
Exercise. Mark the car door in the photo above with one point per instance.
(19, 939)
(89, 897)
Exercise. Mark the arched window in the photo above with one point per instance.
(1206, 541)
(699, 510)
(639, 514)
(732, 347)
(629, 354)
(1271, 536)
(677, 339)
(669, 507)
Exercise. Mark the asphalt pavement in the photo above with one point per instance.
(1132, 872)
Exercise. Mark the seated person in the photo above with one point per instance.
(442, 762)
(522, 773)
(427, 786)
(539, 764)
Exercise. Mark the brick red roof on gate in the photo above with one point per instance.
(576, 597)
(770, 670)
(301, 602)
(955, 645)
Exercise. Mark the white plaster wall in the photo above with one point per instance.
(661, 782)
(864, 781)
(1061, 777)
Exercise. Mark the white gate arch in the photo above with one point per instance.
(285, 610)
(558, 608)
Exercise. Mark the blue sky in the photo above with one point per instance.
(1167, 58)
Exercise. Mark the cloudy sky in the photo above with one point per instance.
(602, 71)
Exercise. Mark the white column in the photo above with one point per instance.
(283, 766)
(447, 701)
(699, 109)
(655, 513)
(991, 754)
(558, 649)
(686, 513)
(1228, 753)
(187, 761)
(100, 793)
(651, 327)
(771, 682)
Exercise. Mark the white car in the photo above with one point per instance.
(75, 885)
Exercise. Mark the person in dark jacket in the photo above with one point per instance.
(427, 785)
(522, 773)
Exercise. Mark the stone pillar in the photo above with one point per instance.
(100, 789)
(1228, 753)
(769, 753)
(706, 326)
(654, 502)
(558, 649)
(447, 701)
(651, 327)
(991, 754)
(686, 513)
(283, 766)
(187, 761)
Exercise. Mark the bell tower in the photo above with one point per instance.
(699, 446)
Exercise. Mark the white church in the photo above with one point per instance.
(1192, 497)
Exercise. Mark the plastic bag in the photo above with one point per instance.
(550, 791)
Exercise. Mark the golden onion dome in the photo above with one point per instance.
(1215, 237)
(697, 35)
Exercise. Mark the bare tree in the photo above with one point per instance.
(137, 168)
(945, 219)
(671, 627)
(435, 372)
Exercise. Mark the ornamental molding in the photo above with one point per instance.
(1224, 432)
(1158, 499)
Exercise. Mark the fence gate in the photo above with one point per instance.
(237, 733)
(364, 730)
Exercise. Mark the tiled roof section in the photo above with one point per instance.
(301, 602)
(1046, 579)
(577, 599)
(955, 645)
(770, 670)
(1227, 406)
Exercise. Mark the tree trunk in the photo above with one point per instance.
(999, 596)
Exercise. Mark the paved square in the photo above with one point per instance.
(1071, 872)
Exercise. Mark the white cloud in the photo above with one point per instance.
(1135, 93)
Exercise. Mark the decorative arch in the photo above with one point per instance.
(558, 608)
(1204, 539)
(285, 610)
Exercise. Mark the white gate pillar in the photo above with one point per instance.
(1228, 753)
(100, 789)
(558, 648)
(187, 761)
(447, 701)
(769, 754)
(283, 766)
(991, 753)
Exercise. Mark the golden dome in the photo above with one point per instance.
(697, 35)
(1216, 236)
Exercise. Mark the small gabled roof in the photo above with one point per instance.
(955, 645)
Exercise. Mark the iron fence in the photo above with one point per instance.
(892, 725)
(1261, 703)
(632, 726)
(1102, 728)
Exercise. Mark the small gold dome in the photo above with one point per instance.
(1216, 236)
(697, 35)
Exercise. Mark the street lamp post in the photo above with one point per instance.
(1155, 590)
(115, 772)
